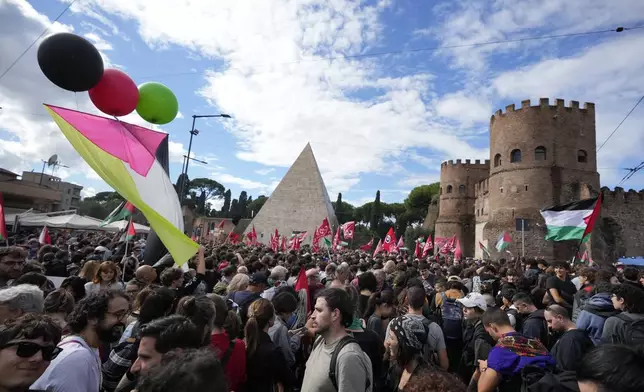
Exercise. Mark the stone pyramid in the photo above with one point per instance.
(299, 203)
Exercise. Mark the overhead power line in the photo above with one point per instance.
(417, 50)
(620, 123)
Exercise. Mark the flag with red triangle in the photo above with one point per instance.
(486, 253)
(3, 224)
(428, 246)
(503, 242)
(348, 229)
(130, 232)
(378, 248)
(366, 247)
(389, 244)
(122, 212)
(44, 236)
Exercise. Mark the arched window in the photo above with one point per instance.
(461, 189)
(540, 153)
(449, 189)
(497, 160)
(582, 156)
(515, 156)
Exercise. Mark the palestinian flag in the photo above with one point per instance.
(122, 212)
(130, 232)
(572, 221)
(327, 242)
(486, 253)
(503, 242)
(3, 225)
(125, 156)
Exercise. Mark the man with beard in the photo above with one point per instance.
(100, 317)
(12, 259)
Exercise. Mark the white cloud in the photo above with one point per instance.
(99, 42)
(419, 179)
(225, 178)
(463, 108)
(263, 172)
(88, 192)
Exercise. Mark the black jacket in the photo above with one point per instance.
(535, 326)
(267, 367)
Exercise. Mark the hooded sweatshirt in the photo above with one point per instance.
(535, 326)
(598, 308)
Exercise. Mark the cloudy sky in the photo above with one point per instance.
(344, 75)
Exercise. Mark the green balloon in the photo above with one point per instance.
(157, 103)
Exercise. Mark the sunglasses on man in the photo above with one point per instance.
(29, 349)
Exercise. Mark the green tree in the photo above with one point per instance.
(182, 190)
(242, 204)
(208, 189)
(234, 208)
(256, 205)
(376, 213)
(337, 207)
(225, 209)
(363, 213)
(418, 200)
(412, 233)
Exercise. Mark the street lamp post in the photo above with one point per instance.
(194, 132)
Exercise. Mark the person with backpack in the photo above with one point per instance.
(596, 311)
(451, 319)
(476, 341)
(534, 323)
(628, 326)
(512, 353)
(336, 363)
(434, 348)
(404, 343)
(256, 286)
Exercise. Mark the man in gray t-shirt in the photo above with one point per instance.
(435, 343)
(333, 312)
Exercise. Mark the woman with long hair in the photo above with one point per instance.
(380, 308)
(106, 278)
(265, 363)
(404, 344)
(239, 282)
(230, 351)
(88, 272)
(201, 311)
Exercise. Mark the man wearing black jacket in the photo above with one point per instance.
(572, 345)
(534, 321)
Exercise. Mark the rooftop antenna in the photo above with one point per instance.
(49, 162)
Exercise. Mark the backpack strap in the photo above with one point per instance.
(229, 352)
(334, 360)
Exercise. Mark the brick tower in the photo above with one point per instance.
(456, 208)
(539, 156)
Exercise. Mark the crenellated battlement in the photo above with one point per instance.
(544, 104)
(619, 194)
(476, 164)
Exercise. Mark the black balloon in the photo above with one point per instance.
(70, 62)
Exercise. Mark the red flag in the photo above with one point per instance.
(458, 253)
(3, 224)
(283, 247)
(336, 239)
(44, 236)
(302, 283)
(324, 229)
(366, 247)
(253, 240)
(401, 243)
(390, 241)
(590, 219)
(428, 246)
(221, 224)
(233, 238)
(417, 251)
(315, 245)
(348, 229)
(378, 248)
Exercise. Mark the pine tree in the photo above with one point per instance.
(375, 213)
(338, 209)
(225, 209)
(234, 208)
(242, 204)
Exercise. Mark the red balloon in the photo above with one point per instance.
(115, 94)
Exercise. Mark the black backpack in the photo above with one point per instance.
(431, 353)
(334, 358)
(632, 333)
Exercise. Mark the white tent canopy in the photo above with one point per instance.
(122, 224)
(71, 221)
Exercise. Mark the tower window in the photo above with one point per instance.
(526, 188)
(497, 160)
(582, 156)
(515, 156)
(540, 153)
(449, 189)
(461, 189)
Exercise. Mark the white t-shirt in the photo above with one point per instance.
(76, 369)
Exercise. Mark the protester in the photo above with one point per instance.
(12, 260)
(97, 317)
(380, 308)
(533, 321)
(476, 341)
(27, 346)
(612, 368)
(230, 351)
(559, 288)
(596, 311)
(626, 327)
(18, 300)
(434, 348)
(573, 343)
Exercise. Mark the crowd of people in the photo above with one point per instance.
(243, 318)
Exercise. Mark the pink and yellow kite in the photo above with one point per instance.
(124, 156)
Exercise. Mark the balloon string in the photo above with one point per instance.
(6, 71)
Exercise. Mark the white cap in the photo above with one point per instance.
(473, 300)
